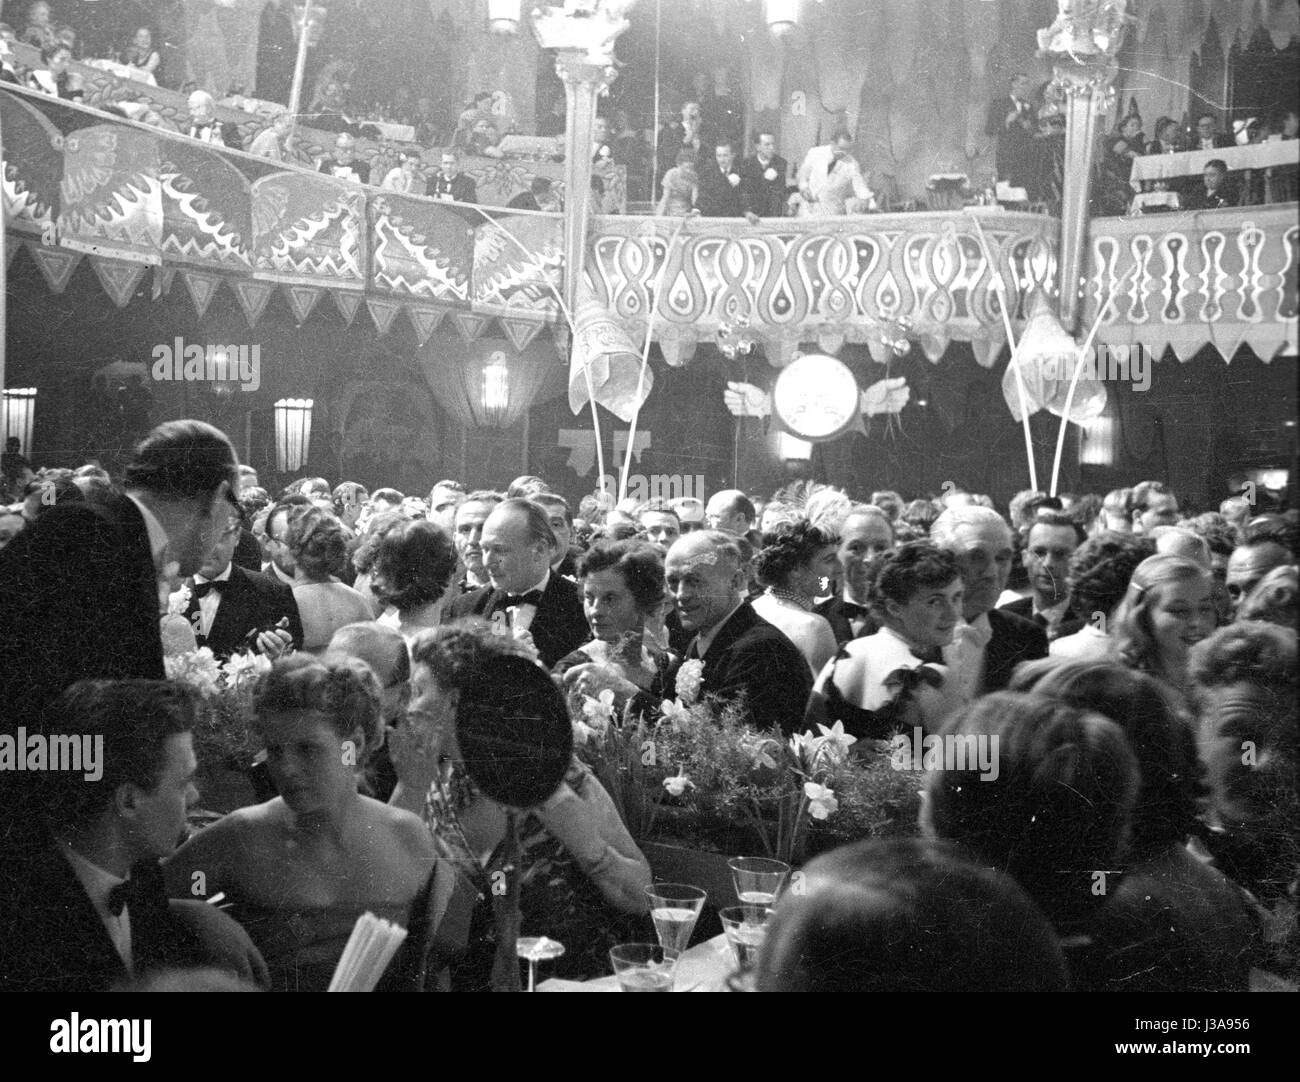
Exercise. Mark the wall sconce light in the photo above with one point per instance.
(19, 416)
(292, 433)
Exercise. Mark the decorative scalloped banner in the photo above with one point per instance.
(56, 264)
(33, 166)
(202, 287)
(253, 296)
(112, 197)
(383, 312)
(302, 299)
(424, 319)
(347, 303)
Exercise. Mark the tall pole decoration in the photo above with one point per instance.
(1082, 44)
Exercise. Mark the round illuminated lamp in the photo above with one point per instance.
(816, 398)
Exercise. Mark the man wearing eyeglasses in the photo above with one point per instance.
(81, 589)
(232, 609)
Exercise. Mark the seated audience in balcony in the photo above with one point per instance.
(40, 31)
(141, 55)
(473, 119)
(405, 176)
(273, 141)
(450, 185)
(1124, 145)
(56, 79)
(1010, 120)
(541, 195)
(8, 74)
(1215, 191)
(1167, 139)
(831, 182)
(764, 175)
(344, 163)
(1047, 160)
(204, 124)
(1208, 136)
(685, 134)
(681, 187)
(722, 190)
(1282, 179)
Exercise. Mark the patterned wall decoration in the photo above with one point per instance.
(1224, 278)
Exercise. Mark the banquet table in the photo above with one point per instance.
(703, 968)
(1190, 163)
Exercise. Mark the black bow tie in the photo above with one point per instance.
(202, 589)
(533, 597)
(854, 611)
(910, 679)
(118, 897)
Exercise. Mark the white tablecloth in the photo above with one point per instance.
(399, 133)
(1191, 163)
(703, 968)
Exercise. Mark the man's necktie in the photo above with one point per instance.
(533, 597)
(854, 611)
(118, 897)
(202, 589)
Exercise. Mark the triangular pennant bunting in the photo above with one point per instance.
(118, 278)
(302, 299)
(253, 296)
(424, 320)
(57, 264)
(348, 303)
(520, 331)
(162, 279)
(202, 288)
(383, 313)
(470, 325)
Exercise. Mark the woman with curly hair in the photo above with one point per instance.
(894, 679)
(1168, 609)
(301, 868)
(413, 565)
(319, 545)
(795, 561)
(1099, 574)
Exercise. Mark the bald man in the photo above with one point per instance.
(746, 659)
(730, 511)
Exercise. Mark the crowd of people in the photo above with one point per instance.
(1134, 658)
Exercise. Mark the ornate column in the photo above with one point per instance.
(583, 32)
(1082, 45)
(583, 84)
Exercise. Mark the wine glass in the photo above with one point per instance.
(758, 880)
(674, 908)
(643, 967)
(746, 928)
(534, 949)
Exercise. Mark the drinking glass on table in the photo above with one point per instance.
(746, 928)
(758, 880)
(674, 908)
(643, 967)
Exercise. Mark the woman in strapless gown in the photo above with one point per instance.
(318, 543)
(302, 868)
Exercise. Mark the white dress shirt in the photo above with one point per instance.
(523, 614)
(98, 883)
(208, 604)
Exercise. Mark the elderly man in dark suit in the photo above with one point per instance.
(232, 609)
(82, 899)
(991, 642)
(82, 588)
(746, 659)
(524, 594)
(763, 175)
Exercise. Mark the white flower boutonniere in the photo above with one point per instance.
(689, 679)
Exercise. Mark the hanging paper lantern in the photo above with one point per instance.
(487, 383)
(604, 354)
(1047, 359)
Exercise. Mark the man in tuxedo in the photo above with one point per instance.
(1208, 136)
(746, 659)
(564, 561)
(467, 535)
(730, 511)
(763, 176)
(228, 603)
(204, 125)
(81, 588)
(518, 546)
(1049, 545)
(1012, 119)
(866, 534)
(722, 190)
(344, 163)
(1153, 505)
(1215, 191)
(450, 185)
(82, 899)
(991, 642)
